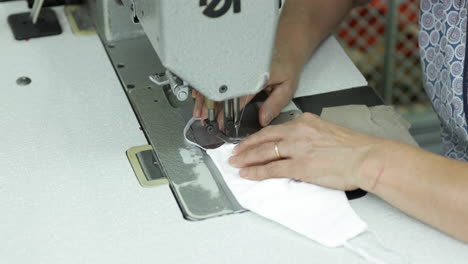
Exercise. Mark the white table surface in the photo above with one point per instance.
(69, 195)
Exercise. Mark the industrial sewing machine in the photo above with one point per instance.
(162, 49)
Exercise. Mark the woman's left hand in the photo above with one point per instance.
(312, 150)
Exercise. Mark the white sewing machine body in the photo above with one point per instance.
(69, 195)
(212, 46)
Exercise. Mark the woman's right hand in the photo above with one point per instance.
(283, 83)
(280, 89)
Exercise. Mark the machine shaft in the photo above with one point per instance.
(232, 117)
(228, 118)
(210, 104)
(236, 110)
(228, 110)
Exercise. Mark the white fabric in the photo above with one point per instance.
(318, 213)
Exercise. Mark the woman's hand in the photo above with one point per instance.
(283, 83)
(311, 150)
(280, 89)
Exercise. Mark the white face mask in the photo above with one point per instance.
(319, 213)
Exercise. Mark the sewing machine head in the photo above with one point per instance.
(220, 48)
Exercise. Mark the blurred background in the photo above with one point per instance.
(382, 40)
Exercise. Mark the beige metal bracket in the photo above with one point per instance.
(145, 166)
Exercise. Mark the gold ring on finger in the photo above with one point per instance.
(277, 151)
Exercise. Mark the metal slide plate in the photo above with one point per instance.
(195, 181)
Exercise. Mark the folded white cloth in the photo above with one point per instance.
(318, 213)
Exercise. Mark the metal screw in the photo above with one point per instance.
(182, 95)
(23, 81)
(223, 89)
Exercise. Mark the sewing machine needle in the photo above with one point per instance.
(236, 108)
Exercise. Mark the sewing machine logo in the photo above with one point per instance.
(212, 10)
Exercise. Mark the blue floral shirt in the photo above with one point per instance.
(442, 41)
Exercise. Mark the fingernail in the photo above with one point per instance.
(267, 119)
(232, 161)
(235, 150)
(243, 173)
